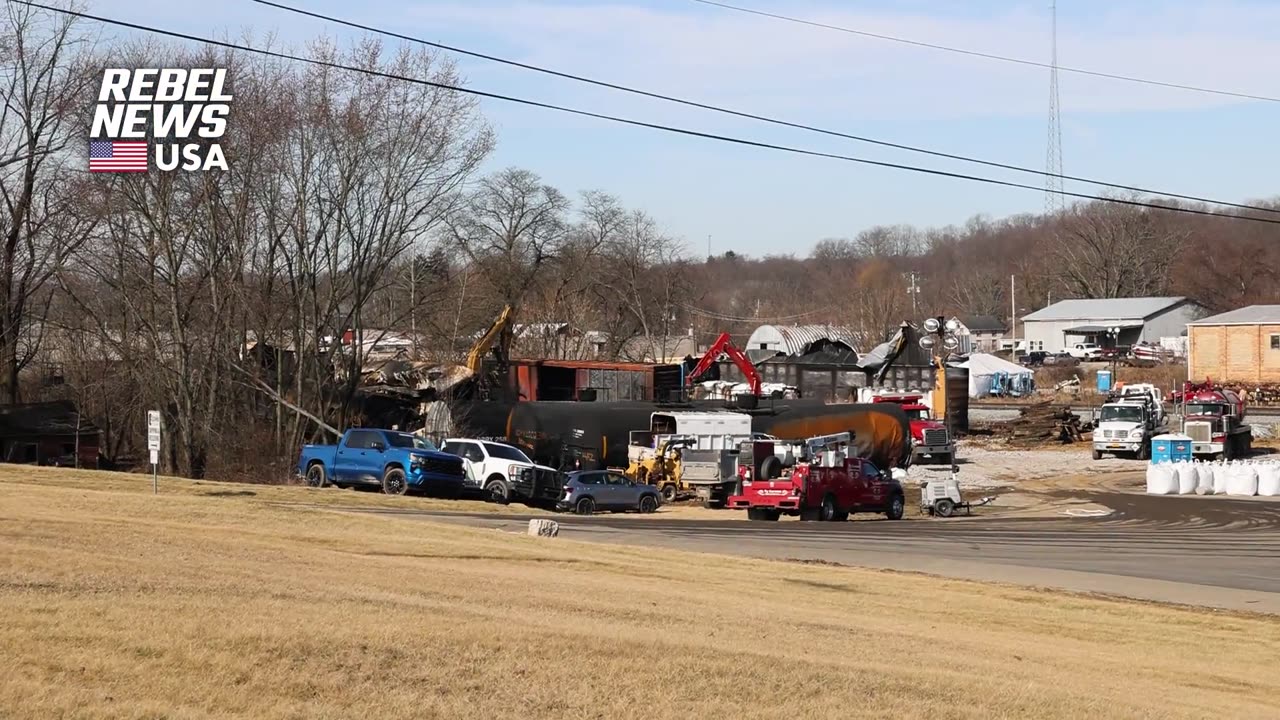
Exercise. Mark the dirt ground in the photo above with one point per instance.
(118, 604)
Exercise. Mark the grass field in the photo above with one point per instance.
(205, 603)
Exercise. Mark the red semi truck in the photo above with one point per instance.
(1213, 417)
(824, 484)
(929, 437)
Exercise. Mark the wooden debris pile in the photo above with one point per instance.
(1041, 423)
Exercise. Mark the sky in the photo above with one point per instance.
(763, 202)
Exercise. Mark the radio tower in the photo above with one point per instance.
(1053, 149)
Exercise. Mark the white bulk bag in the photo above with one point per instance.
(1187, 480)
(1162, 479)
(1204, 479)
(1269, 479)
(1242, 481)
(1220, 472)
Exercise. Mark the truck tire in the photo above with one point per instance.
(316, 476)
(1143, 450)
(755, 514)
(394, 482)
(771, 468)
(498, 491)
(1097, 454)
(827, 513)
(670, 492)
(897, 504)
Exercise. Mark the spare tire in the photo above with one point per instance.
(771, 468)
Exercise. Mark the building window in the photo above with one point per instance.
(1275, 342)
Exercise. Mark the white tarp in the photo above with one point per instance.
(983, 367)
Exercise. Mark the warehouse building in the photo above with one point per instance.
(1241, 346)
(1147, 320)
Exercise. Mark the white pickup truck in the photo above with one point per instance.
(504, 473)
(1085, 351)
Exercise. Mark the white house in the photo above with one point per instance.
(1067, 322)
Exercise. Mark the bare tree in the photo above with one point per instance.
(1108, 250)
(43, 80)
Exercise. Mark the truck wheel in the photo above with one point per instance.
(944, 508)
(394, 483)
(772, 515)
(896, 507)
(1097, 454)
(670, 493)
(754, 514)
(498, 491)
(648, 504)
(828, 511)
(585, 506)
(316, 477)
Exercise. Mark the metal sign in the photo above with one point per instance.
(153, 445)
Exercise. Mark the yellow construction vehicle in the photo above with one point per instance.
(475, 357)
(661, 468)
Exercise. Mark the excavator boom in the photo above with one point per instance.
(475, 357)
(724, 344)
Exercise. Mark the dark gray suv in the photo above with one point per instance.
(586, 491)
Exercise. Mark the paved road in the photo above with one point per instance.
(1215, 552)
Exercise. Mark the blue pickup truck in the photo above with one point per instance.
(395, 461)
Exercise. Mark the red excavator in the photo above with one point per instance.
(724, 344)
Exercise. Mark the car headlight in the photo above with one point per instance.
(1135, 434)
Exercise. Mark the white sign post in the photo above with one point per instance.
(153, 445)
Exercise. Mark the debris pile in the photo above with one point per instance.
(1039, 424)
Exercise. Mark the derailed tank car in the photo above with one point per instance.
(571, 435)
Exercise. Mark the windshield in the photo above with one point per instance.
(1205, 409)
(405, 440)
(920, 414)
(506, 452)
(1123, 413)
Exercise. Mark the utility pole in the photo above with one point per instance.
(913, 289)
(1013, 316)
(708, 247)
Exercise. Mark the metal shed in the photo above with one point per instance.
(799, 339)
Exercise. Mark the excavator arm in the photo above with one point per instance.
(475, 357)
(724, 344)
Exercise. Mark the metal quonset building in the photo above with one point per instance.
(799, 339)
(1241, 346)
(1147, 319)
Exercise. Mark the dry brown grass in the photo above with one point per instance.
(114, 603)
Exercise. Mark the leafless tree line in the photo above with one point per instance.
(358, 203)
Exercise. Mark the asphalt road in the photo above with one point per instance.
(1215, 552)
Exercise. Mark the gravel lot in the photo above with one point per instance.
(982, 467)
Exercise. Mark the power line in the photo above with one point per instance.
(640, 123)
(988, 56)
(753, 116)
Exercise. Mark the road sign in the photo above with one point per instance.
(153, 431)
(153, 444)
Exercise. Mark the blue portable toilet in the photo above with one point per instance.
(1104, 381)
(1170, 448)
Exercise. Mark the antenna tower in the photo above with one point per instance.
(1053, 149)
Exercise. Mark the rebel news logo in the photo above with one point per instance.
(147, 113)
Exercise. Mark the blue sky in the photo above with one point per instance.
(762, 202)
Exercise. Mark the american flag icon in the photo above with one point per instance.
(117, 156)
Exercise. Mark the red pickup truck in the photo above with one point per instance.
(829, 487)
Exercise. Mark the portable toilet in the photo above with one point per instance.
(1104, 381)
(1170, 448)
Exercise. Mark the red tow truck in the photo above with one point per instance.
(824, 484)
(929, 437)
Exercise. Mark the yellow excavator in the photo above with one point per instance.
(662, 469)
(475, 357)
